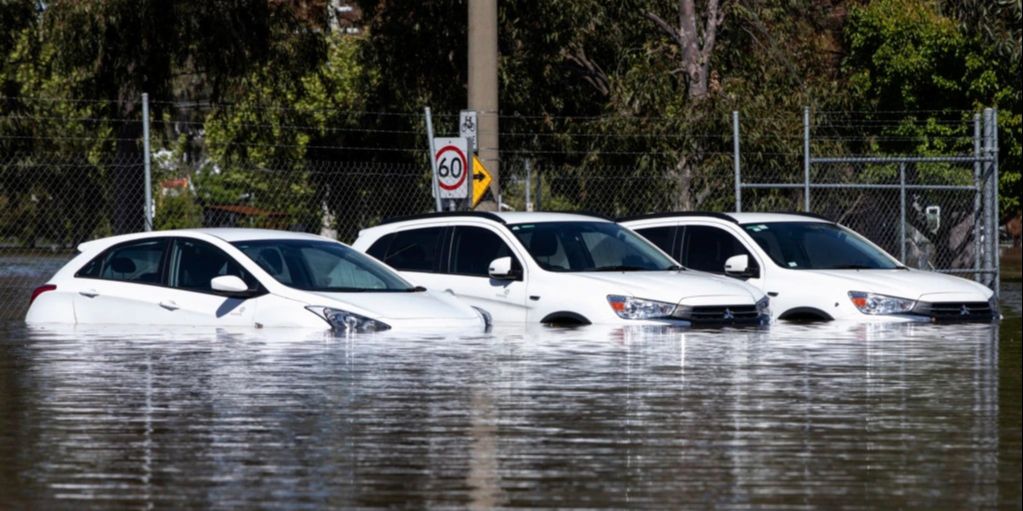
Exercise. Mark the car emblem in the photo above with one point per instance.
(964, 311)
(729, 314)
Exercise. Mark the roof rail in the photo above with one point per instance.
(809, 215)
(441, 214)
(669, 214)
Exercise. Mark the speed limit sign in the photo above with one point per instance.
(452, 164)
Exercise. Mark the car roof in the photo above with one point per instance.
(739, 218)
(228, 234)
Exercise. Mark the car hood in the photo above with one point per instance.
(423, 305)
(913, 284)
(685, 287)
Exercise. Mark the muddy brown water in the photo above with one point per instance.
(791, 417)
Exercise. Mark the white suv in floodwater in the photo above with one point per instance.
(814, 269)
(557, 268)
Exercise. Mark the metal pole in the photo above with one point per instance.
(994, 201)
(735, 161)
(902, 212)
(806, 159)
(529, 184)
(977, 224)
(433, 157)
(147, 164)
(989, 233)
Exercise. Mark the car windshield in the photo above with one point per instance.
(313, 265)
(818, 246)
(589, 246)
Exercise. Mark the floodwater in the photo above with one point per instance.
(792, 417)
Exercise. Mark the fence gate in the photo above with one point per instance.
(937, 213)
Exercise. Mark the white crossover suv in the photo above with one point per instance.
(240, 277)
(814, 269)
(557, 268)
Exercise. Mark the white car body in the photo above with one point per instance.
(69, 297)
(825, 294)
(543, 296)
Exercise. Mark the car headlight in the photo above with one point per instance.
(488, 321)
(764, 306)
(627, 307)
(874, 304)
(343, 321)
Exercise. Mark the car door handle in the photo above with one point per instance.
(171, 306)
(91, 293)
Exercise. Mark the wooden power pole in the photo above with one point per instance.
(483, 83)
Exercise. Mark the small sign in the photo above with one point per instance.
(452, 164)
(481, 179)
(468, 124)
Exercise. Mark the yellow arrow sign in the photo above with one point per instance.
(481, 179)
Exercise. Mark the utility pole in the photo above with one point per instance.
(483, 83)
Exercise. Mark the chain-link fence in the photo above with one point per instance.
(69, 174)
(932, 212)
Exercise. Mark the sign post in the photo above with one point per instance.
(451, 159)
(433, 162)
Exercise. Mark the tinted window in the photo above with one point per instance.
(321, 266)
(139, 262)
(194, 263)
(589, 246)
(817, 246)
(663, 237)
(415, 250)
(707, 248)
(473, 248)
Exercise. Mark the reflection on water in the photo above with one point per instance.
(792, 417)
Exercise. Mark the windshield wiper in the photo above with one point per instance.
(854, 267)
(621, 267)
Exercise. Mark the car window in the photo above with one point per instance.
(589, 246)
(707, 248)
(412, 250)
(140, 262)
(473, 248)
(315, 265)
(817, 246)
(663, 237)
(194, 263)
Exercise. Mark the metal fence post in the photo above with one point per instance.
(806, 159)
(735, 160)
(433, 158)
(994, 201)
(529, 185)
(902, 212)
(148, 211)
(977, 220)
(990, 231)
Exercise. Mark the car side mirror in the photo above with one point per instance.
(738, 266)
(501, 269)
(231, 285)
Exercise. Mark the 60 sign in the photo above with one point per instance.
(452, 167)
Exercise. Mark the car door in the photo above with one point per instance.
(188, 298)
(707, 247)
(472, 249)
(419, 254)
(120, 285)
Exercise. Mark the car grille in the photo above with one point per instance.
(955, 311)
(719, 314)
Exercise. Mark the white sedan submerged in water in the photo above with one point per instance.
(241, 277)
